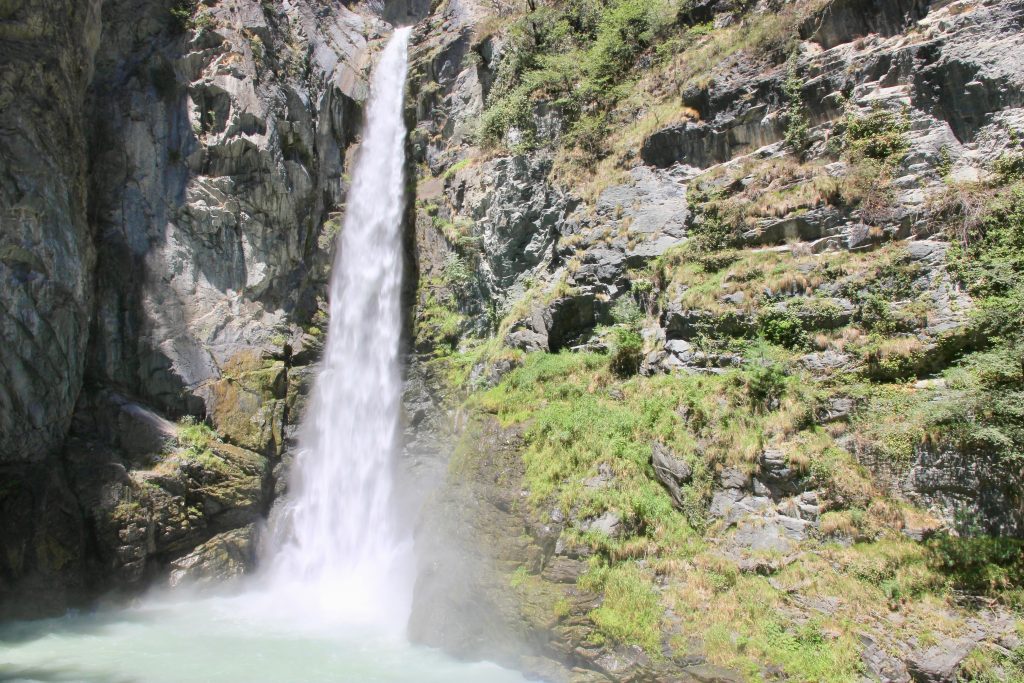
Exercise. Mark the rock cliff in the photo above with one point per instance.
(746, 222)
(174, 184)
(714, 317)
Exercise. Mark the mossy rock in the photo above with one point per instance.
(247, 405)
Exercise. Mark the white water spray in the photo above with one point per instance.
(337, 543)
(340, 559)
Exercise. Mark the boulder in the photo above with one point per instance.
(939, 663)
(673, 472)
(225, 556)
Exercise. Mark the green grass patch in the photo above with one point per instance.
(630, 612)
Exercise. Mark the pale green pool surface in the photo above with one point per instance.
(221, 640)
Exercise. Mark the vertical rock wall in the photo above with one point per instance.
(173, 178)
(46, 253)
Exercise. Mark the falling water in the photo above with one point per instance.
(340, 561)
(337, 538)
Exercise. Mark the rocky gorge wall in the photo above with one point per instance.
(749, 198)
(709, 384)
(175, 183)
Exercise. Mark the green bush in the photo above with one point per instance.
(574, 54)
(880, 134)
(781, 327)
(990, 258)
(982, 564)
(514, 110)
(627, 351)
(798, 125)
(456, 272)
(985, 411)
(765, 385)
(627, 28)
(1009, 167)
(181, 15)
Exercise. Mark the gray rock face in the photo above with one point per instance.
(971, 491)
(217, 172)
(671, 471)
(880, 665)
(46, 250)
(215, 152)
(940, 663)
(515, 212)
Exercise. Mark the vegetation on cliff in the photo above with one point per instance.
(773, 362)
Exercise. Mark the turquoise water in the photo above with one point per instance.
(221, 640)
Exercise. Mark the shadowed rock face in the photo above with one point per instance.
(168, 201)
(46, 253)
(216, 166)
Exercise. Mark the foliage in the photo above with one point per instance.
(880, 134)
(630, 612)
(627, 351)
(797, 134)
(766, 385)
(194, 436)
(456, 272)
(985, 411)
(574, 54)
(184, 16)
(181, 15)
(983, 564)
(781, 327)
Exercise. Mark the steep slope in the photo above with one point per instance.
(726, 294)
(175, 184)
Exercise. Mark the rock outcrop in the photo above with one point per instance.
(174, 185)
(46, 247)
(701, 236)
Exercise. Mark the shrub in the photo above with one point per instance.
(881, 134)
(1009, 167)
(182, 15)
(627, 351)
(511, 111)
(456, 272)
(980, 564)
(781, 327)
(627, 27)
(797, 134)
(626, 311)
(765, 385)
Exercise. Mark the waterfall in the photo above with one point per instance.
(336, 542)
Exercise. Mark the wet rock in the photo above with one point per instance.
(564, 570)
(223, 557)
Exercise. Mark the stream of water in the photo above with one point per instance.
(333, 597)
(337, 540)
